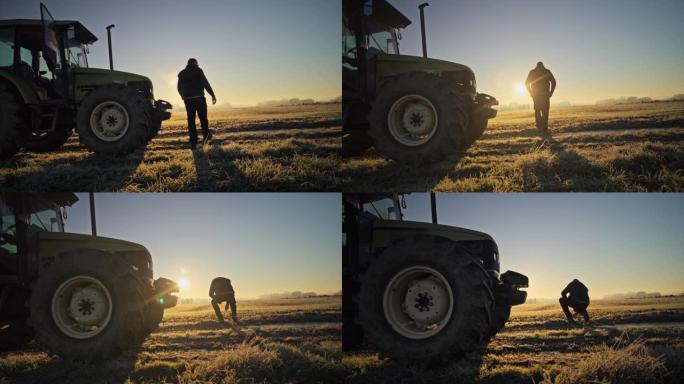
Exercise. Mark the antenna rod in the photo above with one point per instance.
(433, 206)
(109, 43)
(422, 27)
(93, 224)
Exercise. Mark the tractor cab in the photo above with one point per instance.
(42, 52)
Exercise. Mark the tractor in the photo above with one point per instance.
(82, 297)
(47, 90)
(410, 109)
(421, 293)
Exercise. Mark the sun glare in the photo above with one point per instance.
(183, 283)
(520, 89)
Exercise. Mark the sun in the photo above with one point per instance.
(520, 89)
(183, 283)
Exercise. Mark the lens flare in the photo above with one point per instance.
(183, 283)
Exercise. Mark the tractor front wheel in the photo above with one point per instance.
(416, 118)
(114, 120)
(425, 300)
(87, 305)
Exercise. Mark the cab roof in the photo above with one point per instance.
(83, 35)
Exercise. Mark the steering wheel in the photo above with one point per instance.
(9, 238)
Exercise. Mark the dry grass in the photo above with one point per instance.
(600, 148)
(538, 346)
(280, 341)
(262, 149)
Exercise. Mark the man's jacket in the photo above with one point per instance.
(192, 83)
(541, 82)
(578, 292)
(220, 286)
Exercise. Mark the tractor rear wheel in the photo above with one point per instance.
(87, 305)
(49, 141)
(114, 120)
(14, 335)
(12, 130)
(425, 300)
(416, 118)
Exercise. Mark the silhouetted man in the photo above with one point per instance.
(191, 86)
(578, 300)
(222, 291)
(540, 84)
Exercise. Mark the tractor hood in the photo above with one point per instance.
(98, 76)
(385, 232)
(392, 65)
(54, 243)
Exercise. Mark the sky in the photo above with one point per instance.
(612, 242)
(264, 242)
(251, 51)
(595, 49)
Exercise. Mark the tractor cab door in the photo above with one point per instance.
(54, 60)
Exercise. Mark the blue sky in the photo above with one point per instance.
(612, 242)
(251, 51)
(263, 242)
(596, 49)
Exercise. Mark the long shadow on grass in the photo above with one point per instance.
(464, 370)
(57, 370)
(92, 173)
(584, 175)
(216, 170)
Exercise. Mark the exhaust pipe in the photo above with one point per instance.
(433, 206)
(93, 224)
(109, 43)
(422, 28)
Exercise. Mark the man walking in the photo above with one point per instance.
(541, 84)
(578, 300)
(222, 291)
(191, 86)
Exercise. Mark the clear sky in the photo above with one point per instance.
(264, 242)
(596, 49)
(614, 243)
(251, 51)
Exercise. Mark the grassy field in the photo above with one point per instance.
(539, 346)
(599, 148)
(279, 341)
(264, 149)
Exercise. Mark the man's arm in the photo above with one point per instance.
(207, 86)
(528, 83)
(179, 87)
(564, 293)
(212, 289)
(553, 83)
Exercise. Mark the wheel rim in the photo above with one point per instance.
(109, 121)
(418, 302)
(412, 120)
(82, 307)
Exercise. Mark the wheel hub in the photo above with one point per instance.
(112, 121)
(109, 121)
(87, 306)
(418, 119)
(412, 120)
(426, 301)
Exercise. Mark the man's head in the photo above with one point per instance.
(192, 62)
(540, 64)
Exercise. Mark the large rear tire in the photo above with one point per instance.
(114, 120)
(87, 305)
(49, 141)
(417, 118)
(452, 294)
(12, 130)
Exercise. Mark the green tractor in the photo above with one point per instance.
(421, 293)
(80, 296)
(47, 90)
(411, 109)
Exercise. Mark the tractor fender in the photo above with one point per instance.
(28, 94)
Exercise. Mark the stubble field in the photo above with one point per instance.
(637, 147)
(292, 148)
(278, 341)
(632, 341)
